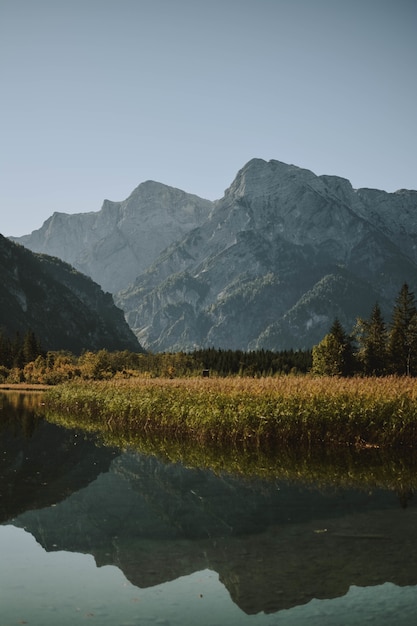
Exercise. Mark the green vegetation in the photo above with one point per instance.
(22, 364)
(347, 466)
(16, 353)
(334, 354)
(247, 400)
(301, 411)
(372, 349)
(364, 468)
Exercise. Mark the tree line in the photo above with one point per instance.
(18, 351)
(373, 348)
(23, 360)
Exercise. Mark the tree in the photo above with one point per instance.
(327, 357)
(5, 351)
(333, 356)
(17, 352)
(31, 347)
(402, 344)
(372, 337)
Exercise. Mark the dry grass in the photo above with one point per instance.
(303, 410)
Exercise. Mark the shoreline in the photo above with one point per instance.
(24, 387)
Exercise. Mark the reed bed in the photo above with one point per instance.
(293, 410)
(346, 467)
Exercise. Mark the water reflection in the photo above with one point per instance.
(68, 589)
(40, 463)
(272, 544)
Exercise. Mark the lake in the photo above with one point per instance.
(91, 533)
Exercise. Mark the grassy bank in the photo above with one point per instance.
(303, 411)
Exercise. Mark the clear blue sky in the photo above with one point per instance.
(98, 96)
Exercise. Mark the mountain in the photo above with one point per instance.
(281, 255)
(116, 244)
(269, 265)
(65, 309)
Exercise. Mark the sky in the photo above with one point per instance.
(98, 96)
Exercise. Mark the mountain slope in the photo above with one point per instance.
(65, 309)
(269, 265)
(251, 275)
(117, 243)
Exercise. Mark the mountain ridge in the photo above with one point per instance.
(290, 230)
(103, 244)
(246, 271)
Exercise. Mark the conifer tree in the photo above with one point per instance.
(402, 344)
(17, 352)
(31, 347)
(5, 351)
(372, 337)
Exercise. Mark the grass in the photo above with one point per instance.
(301, 411)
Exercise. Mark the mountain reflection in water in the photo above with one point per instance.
(274, 545)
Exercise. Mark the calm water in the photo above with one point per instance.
(93, 534)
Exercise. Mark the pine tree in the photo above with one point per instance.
(5, 351)
(31, 347)
(402, 344)
(17, 352)
(372, 337)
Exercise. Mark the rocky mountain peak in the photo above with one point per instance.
(283, 253)
(265, 179)
(268, 265)
(294, 204)
(117, 243)
(158, 203)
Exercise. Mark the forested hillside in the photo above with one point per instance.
(65, 309)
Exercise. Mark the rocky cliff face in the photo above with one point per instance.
(117, 243)
(282, 254)
(65, 309)
(270, 265)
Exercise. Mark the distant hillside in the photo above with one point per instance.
(116, 244)
(269, 265)
(65, 309)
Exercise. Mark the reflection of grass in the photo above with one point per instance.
(358, 432)
(345, 467)
(18, 400)
(20, 412)
(305, 411)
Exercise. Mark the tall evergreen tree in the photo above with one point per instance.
(17, 352)
(31, 347)
(372, 337)
(5, 350)
(402, 344)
